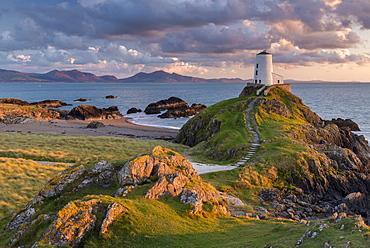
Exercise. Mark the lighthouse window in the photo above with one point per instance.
(256, 65)
(256, 73)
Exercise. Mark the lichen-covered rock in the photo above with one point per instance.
(25, 226)
(72, 223)
(106, 179)
(175, 174)
(136, 171)
(21, 218)
(56, 185)
(113, 211)
(168, 184)
(101, 166)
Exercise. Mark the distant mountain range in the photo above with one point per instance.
(76, 76)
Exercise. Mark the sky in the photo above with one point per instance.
(309, 39)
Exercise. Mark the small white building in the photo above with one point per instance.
(263, 70)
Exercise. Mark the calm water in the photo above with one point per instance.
(129, 95)
(328, 100)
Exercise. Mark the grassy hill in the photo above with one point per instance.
(298, 175)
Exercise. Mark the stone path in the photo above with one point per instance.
(251, 123)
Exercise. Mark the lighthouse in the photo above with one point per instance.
(263, 70)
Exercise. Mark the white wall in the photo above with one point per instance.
(263, 69)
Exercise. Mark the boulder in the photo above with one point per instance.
(133, 111)
(172, 102)
(95, 124)
(81, 100)
(88, 112)
(111, 97)
(175, 174)
(72, 223)
(114, 210)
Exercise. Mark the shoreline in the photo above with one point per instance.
(113, 127)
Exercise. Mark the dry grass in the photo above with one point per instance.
(21, 180)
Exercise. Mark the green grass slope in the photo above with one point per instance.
(218, 134)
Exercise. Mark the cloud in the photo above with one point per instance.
(354, 9)
(299, 58)
(104, 19)
(299, 35)
(186, 68)
(215, 39)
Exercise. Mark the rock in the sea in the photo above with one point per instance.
(172, 102)
(133, 111)
(42, 104)
(111, 97)
(14, 101)
(88, 112)
(95, 124)
(50, 104)
(176, 108)
(81, 100)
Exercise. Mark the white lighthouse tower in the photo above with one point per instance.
(263, 70)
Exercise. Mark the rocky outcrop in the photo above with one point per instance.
(175, 174)
(167, 173)
(330, 177)
(56, 185)
(14, 101)
(133, 111)
(176, 108)
(183, 111)
(42, 104)
(344, 123)
(157, 107)
(20, 218)
(113, 211)
(71, 224)
(88, 112)
(50, 104)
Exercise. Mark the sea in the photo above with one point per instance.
(328, 100)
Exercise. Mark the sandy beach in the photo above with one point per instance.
(113, 127)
